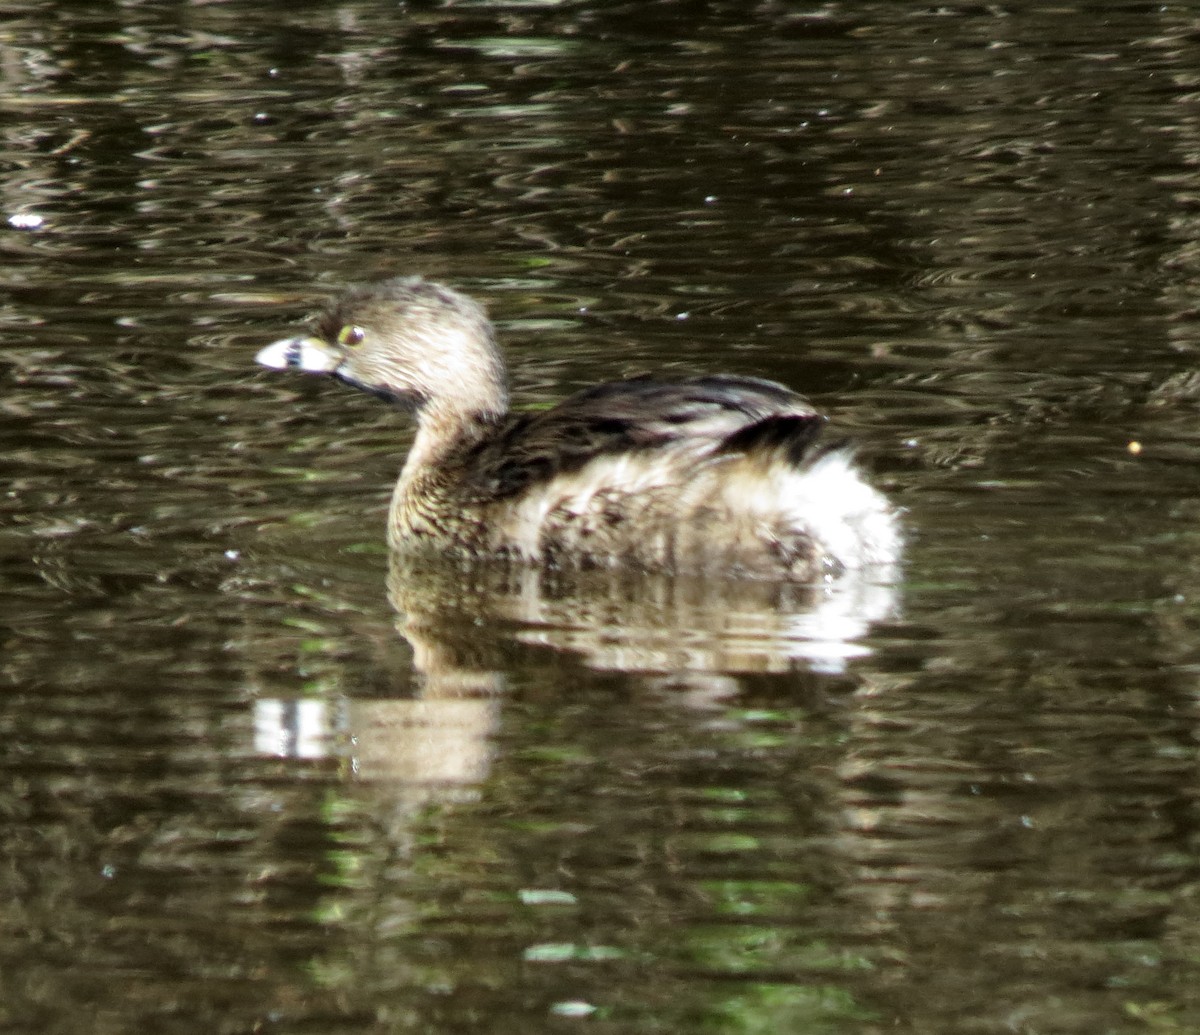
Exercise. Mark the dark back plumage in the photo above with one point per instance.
(712, 414)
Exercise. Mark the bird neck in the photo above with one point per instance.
(430, 484)
(447, 431)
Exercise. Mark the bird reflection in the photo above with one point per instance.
(619, 620)
(691, 637)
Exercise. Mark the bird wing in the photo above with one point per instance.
(712, 414)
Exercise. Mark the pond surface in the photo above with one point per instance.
(252, 781)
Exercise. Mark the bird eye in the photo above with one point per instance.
(351, 335)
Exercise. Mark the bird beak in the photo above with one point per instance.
(308, 354)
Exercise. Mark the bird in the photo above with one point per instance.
(712, 475)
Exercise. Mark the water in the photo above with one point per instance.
(254, 781)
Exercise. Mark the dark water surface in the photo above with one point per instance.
(250, 783)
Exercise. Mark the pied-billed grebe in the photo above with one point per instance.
(713, 474)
